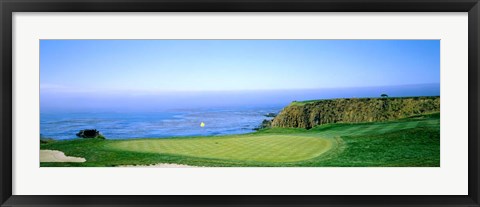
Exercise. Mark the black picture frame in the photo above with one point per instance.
(7, 7)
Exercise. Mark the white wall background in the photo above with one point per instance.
(450, 178)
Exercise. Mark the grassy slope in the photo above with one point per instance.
(409, 142)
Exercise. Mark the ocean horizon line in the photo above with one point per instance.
(162, 91)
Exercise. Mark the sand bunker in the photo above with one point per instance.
(58, 156)
(164, 165)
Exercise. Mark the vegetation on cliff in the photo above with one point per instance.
(308, 114)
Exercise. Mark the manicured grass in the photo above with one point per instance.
(413, 141)
(262, 148)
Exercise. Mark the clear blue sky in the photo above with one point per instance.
(213, 65)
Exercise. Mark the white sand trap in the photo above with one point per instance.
(164, 165)
(58, 156)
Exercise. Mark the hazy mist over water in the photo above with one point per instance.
(59, 101)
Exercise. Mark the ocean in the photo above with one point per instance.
(126, 125)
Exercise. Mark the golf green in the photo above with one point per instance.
(262, 148)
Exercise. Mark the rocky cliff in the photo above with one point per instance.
(308, 114)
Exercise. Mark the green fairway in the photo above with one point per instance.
(413, 141)
(262, 148)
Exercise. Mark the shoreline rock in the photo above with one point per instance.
(90, 133)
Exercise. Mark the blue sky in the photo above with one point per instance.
(212, 65)
(159, 74)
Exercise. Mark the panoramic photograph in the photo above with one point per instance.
(239, 103)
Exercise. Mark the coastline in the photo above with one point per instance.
(272, 147)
